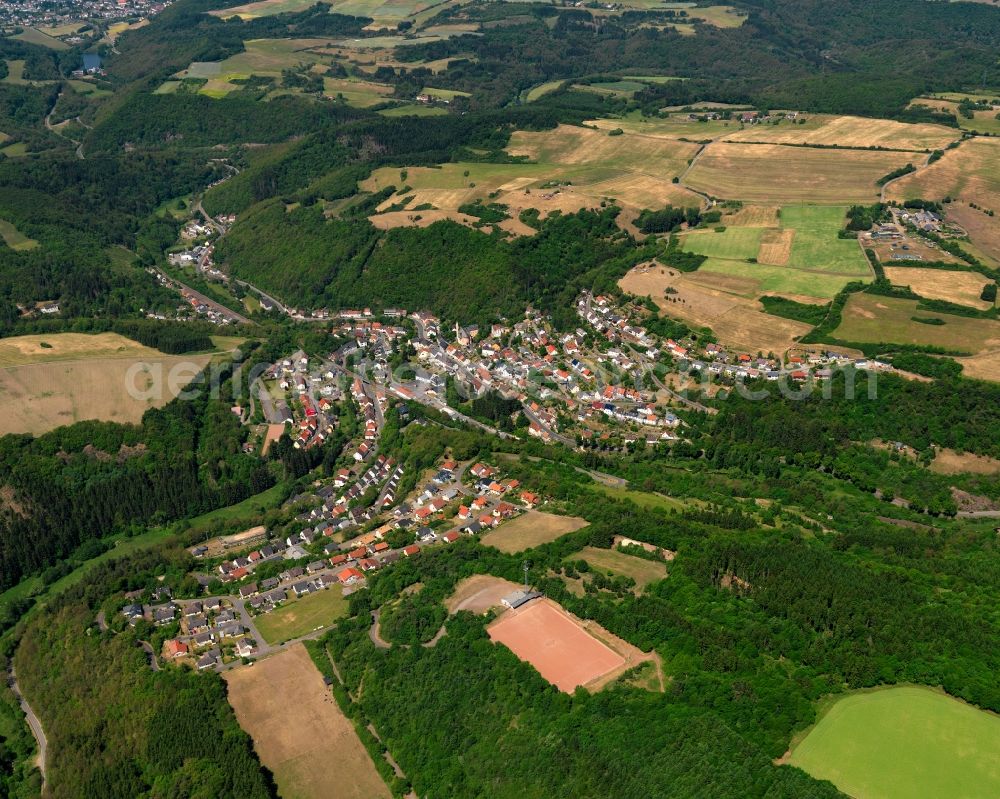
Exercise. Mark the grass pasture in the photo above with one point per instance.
(15, 71)
(299, 731)
(816, 244)
(719, 16)
(643, 499)
(618, 563)
(869, 318)
(771, 173)
(298, 617)
(803, 257)
(443, 94)
(848, 131)
(735, 243)
(531, 529)
(18, 149)
(905, 742)
(961, 288)
(14, 238)
(359, 93)
(537, 92)
(35, 36)
(780, 279)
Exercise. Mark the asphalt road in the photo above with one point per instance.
(33, 723)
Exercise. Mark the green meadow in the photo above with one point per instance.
(905, 742)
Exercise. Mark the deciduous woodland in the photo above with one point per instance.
(681, 320)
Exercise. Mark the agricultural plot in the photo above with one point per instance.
(904, 742)
(299, 731)
(531, 529)
(618, 563)
(616, 88)
(298, 617)
(803, 257)
(35, 36)
(981, 122)
(816, 245)
(15, 71)
(569, 144)
(771, 173)
(570, 168)
(443, 94)
(738, 243)
(961, 288)
(16, 150)
(780, 279)
(719, 301)
(14, 238)
(983, 231)
(847, 131)
(40, 397)
(360, 94)
(872, 319)
(673, 126)
(51, 380)
(23, 350)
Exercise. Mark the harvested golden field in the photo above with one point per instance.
(981, 122)
(572, 168)
(847, 131)
(983, 230)
(969, 173)
(754, 216)
(771, 173)
(984, 366)
(299, 731)
(530, 530)
(569, 144)
(712, 300)
(961, 288)
(672, 126)
(22, 350)
(42, 396)
(875, 319)
(947, 461)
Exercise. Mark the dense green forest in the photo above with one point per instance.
(93, 479)
(459, 273)
(821, 612)
(116, 729)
